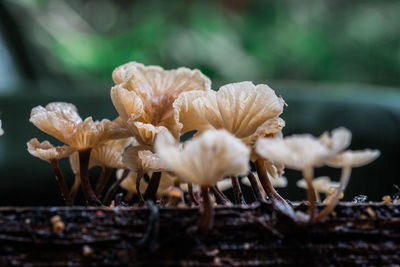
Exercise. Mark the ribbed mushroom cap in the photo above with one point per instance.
(46, 151)
(240, 108)
(138, 158)
(205, 159)
(186, 114)
(110, 153)
(62, 121)
(150, 92)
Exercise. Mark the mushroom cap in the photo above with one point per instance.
(46, 151)
(321, 184)
(353, 159)
(240, 107)
(57, 119)
(154, 92)
(339, 139)
(279, 182)
(139, 158)
(110, 153)
(296, 151)
(205, 159)
(62, 121)
(186, 114)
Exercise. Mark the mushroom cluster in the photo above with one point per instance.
(236, 129)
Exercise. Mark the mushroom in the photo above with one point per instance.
(47, 152)
(240, 108)
(346, 160)
(62, 121)
(140, 161)
(321, 184)
(144, 97)
(299, 152)
(109, 157)
(204, 160)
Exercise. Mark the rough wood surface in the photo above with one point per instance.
(364, 234)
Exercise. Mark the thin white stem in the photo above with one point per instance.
(308, 174)
(344, 180)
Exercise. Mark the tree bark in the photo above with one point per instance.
(355, 234)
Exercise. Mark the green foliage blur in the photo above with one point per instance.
(229, 40)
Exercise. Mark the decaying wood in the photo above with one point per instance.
(366, 234)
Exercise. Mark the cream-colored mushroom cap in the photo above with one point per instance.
(240, 108)
(146, 94)
(62, 121)
(339, 139)
(279, 182)
(47, 151)
(109, 154)
(353, 159)
(205, 159)
(321, 184)
(186, 114)
(296, 151)
(138, 158)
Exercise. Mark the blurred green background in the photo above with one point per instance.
(336, 63)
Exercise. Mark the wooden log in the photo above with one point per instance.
(355, 234)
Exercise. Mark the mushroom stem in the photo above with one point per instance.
(308, 174)
(191, 194)
(75, 186)
(139, 176)
(277, 201)
(84, 157)
(151, 190)
(344, 180)
(61, 182)
(207, 218)
(114, 187)
(104, 177)
(128, 197)
(254, 185)
(222, 194)
(218, 197)
(237, 191)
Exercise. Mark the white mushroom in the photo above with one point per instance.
(346, 160)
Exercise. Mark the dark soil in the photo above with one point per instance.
(355, 234)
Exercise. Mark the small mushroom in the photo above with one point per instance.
(321, 184)
(62, 121)
(47, 152)
(109, 157)
(299, 152)
(346, 160)
(204, 160)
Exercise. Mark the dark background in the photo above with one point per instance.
(336, 63)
